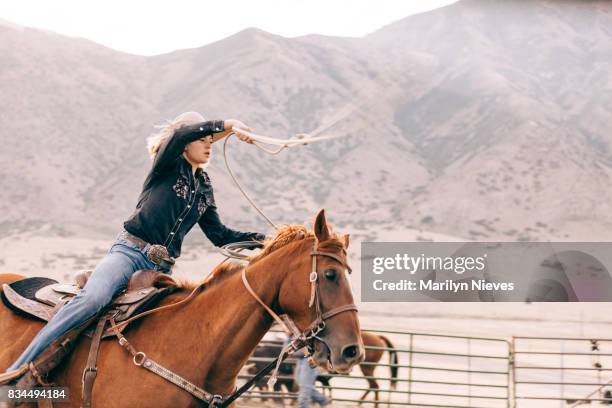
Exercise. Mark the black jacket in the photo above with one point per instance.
(173, 200)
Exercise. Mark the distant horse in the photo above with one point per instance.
(208, 339)
(367, 367)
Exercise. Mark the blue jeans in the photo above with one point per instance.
(110, 277)
(306, 377)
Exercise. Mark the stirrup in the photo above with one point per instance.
(9, 376)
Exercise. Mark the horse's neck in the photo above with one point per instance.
(231, 324)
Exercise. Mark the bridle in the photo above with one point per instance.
(306, 337)
(299, 340)
(318, 325)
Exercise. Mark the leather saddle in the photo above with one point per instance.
(42, 298)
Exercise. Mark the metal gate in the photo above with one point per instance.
(432, 371)
(561, 372)
(441, 371)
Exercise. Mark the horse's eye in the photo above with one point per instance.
(331, 274)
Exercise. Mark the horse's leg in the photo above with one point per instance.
(293, 388)
(368, 371)
(373, 356)
(365, 394)
(374, 385)
(329, 389)
(278, 388)
(281, 397)
(288, 385)
(324, 380)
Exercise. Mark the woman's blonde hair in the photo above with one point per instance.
(156, 140)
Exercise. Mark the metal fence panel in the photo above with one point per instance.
(561, 372)
(432, 371)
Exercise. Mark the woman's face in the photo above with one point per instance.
(199, 152)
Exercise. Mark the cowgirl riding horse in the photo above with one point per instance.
(176, 195)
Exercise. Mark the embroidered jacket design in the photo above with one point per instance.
(181, 188)
(202, 205)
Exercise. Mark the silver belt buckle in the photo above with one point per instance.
(157, 254)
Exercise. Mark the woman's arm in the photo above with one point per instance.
(175, 145)
(219, 234)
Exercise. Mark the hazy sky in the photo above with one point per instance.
(155, 27)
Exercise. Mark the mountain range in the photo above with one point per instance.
(485, 119)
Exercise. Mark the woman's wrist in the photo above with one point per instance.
(218, 126)
(239, 129)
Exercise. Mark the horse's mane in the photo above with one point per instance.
(285, 235)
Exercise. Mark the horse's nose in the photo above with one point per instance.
(352, 354)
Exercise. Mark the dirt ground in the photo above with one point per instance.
(60, 258)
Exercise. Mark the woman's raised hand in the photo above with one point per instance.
(238, 128)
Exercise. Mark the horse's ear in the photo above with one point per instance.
(320, 227)
(345, 238)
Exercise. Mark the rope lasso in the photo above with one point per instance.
(299, 140)
(244, 193)
(302, 139)
(233, 250)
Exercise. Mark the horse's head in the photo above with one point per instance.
(317, 292)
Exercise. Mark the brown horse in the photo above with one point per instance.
(208, 339)
(373, 356)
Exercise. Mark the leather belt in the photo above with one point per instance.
(158, 254)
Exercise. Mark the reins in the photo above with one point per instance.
(165, 307)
